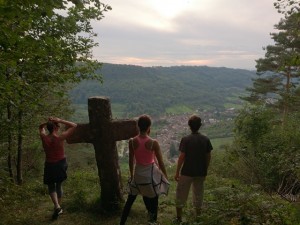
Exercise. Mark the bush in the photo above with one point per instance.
(265, 151)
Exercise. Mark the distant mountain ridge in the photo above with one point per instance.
(156, 90)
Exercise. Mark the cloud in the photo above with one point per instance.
(186, 32)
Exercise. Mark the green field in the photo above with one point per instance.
(178, 109)
(217, 143)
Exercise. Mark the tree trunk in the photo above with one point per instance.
(20, 148)
(286, 102)
(9, 137)
(9, 147)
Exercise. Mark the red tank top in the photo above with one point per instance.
(143, 156)
(54, 148)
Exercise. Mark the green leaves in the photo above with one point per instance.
(267, 150)
(279, 71)
(44, 47)
(287, 7)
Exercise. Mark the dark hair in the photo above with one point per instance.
(144, 122)
(194, 123)
(51, 125)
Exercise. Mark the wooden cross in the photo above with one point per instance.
(103, 132)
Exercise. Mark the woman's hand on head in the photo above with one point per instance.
(54, 119)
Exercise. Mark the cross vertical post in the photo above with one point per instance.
(103, 132)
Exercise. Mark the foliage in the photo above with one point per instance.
(82, 197)
(221, 143)
(226, 201)
(44, 47)
(235, 203)
(287, 7)
(251, 123)
(266, 146)
(266, 153)
(173, 150)
(221, 129)
(159, 90)
(278, 72)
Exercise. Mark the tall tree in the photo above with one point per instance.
(279, 71)
(44, 46)
(266, 137)
(287, 7)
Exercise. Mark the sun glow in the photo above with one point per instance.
(169, 9)
(160, 14)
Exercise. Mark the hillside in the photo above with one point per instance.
(157, 90)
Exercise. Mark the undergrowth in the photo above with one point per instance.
(226, 202)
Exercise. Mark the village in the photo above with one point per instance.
(169, 129)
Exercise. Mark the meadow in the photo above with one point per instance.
(226, 201)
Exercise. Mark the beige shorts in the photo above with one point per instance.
(183, 188)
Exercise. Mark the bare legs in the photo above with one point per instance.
(55, 192)
(54, 199)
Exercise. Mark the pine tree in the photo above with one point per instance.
(278, 72)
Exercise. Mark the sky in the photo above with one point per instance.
(215, 33)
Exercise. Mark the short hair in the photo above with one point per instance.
(51, 125)
(144, 122)
(194, 123)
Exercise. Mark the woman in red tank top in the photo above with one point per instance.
(55, 170)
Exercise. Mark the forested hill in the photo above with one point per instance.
(134, 89)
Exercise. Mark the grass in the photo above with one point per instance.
(118, 110)
(80, 113)
(217, 143)
(179, 109)
(233, 105)
(226, 201)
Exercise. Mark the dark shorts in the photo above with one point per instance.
(55, 172)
